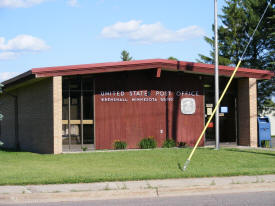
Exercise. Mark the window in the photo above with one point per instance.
(77, 114)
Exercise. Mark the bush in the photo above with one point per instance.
(84, 149)
(118, 144)
(169, 143)
(265, 143)
(182, 144)
(147, 143)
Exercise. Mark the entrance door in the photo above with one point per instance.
(228, 119)
(77, 123)
(227, 110)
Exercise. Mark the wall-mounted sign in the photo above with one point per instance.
(224, 109)
(188, 106)
(144, 95)
(209, 111)
(211, 125)
(209, 105)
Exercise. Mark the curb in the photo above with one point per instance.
(135, 189)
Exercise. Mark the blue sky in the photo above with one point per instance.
(40, 33)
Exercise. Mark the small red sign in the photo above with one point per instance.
(211, 125)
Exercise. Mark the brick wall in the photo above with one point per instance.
(57, 112)
(39, 117)
(247, 112)
(7, 108)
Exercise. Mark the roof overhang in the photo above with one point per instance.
(170, 65)
(149, 64)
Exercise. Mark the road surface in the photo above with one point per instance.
(246, 199)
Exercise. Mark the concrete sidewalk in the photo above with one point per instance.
(134, 189)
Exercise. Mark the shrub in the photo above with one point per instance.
(118, 144)
(147, 143)
(265, 143)
(182, 144)
(169, 143)
(84, 149)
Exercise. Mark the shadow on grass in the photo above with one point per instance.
(252, 152)
(180, 167)
(14, 151)
(9, 150)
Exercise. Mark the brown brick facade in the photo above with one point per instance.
(247, 112)
(7, 108)
(39, 117)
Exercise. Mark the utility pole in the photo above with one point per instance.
(217, 129)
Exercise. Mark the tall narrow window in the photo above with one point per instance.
(88, 111)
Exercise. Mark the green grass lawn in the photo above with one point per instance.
(30, 168)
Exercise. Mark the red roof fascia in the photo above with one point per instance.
(227, 71)
(148, 64)
(96, 68)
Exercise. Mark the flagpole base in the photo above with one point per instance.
(185, 165)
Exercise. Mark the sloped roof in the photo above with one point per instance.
(164, 64)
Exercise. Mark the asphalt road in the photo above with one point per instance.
(246, 199)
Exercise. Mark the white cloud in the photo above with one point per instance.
(7, 55)
(19, 3)
(20, 44)
(148, 33)
(73, 3)
(7, 75)
(23, 43)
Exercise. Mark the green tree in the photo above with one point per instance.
(172, 58)
(239, 18)
(125, 56)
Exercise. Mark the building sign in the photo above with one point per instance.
(143, 95)
(188, 106)
(209, 111)
(209, 105)
(224, 109)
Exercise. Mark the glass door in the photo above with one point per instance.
(227, 111)
(77, 122)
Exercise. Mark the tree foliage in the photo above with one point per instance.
(125, 56)
(172, 58)
(239, 19)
